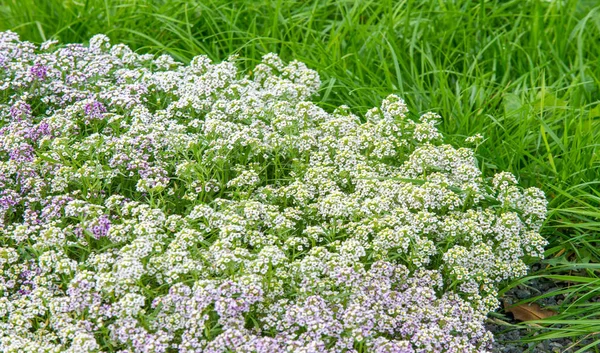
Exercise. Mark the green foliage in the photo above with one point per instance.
(524, 73)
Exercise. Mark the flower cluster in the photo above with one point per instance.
(150, 206)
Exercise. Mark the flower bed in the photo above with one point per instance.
(151, 206)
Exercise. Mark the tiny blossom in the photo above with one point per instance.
(20, 110)
(94, 109)
(101, 227)
(475, 139)
(39, 71)
(152, 206)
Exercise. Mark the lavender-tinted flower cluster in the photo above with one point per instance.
(151, 206)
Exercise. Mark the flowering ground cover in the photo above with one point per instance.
(150, 206)
(189, 201)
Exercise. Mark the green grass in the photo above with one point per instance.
(524, 73)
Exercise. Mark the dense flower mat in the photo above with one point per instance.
(150, 206)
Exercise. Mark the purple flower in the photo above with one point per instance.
(35, 132)
(101, 227)
(78, 231)
(54, 208)
(23, 153)
(94, 109)
(20, 111)
(8, 199)
(39, 71)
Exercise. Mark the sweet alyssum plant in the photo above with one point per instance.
(150, 206)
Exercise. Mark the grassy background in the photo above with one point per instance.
(524, 73)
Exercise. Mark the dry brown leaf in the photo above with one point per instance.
(528, 312)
